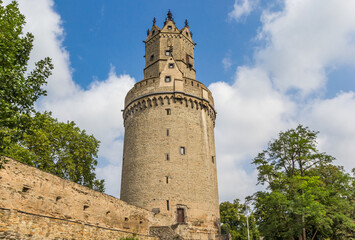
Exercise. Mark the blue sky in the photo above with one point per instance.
(114, 32)
(269, 64)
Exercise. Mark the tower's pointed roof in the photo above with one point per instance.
(170, 16)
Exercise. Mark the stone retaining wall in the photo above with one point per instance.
(36, 203)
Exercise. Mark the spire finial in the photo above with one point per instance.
(154, 21)
(170, 16)
(186, 23)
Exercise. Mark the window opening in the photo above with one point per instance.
(167, 79)
(153, 32)
(167, 132)
(167, 157)
(180, 215)
(212, 159)
(167, 205)
(171, 65)
(168, 111)
(182, 150)
(152, 57)
(170, 27)
(167, 52)
(167, 179)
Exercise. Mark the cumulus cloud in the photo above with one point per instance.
(242, 8)
(97, 109)
(304, 40)
(249, 112)
(45, 24)
(334, 119)
(299, 44)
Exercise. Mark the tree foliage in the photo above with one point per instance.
(36, 138)
(18, 90)
(233, 216)
(307, 197)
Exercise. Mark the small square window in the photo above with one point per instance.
(171, 65)
(167, 53)
(170, 27)
(152, 57)
(182, 150)
(167, 79)
(168, 111)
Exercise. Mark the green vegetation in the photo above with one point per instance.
(233, 216)
(306, 196)
(37, 138)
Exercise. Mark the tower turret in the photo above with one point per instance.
(169, 158)
(169, 41)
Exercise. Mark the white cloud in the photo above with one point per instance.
(97, 109)
(242, 8)
(249, 113)
(45, 24)
(304, 39)
(334, 119)
(112, 175)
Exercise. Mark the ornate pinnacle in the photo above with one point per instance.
(186, 23)
(170, 16)
(154, 21)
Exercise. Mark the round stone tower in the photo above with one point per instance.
(169, 159)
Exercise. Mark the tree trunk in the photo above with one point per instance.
(314, 234)
(303, 228)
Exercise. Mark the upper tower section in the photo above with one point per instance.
(169, 41)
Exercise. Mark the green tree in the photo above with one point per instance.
(233, 215)
(304, 190)
(18, 90)
(36, 138)
(59, 148)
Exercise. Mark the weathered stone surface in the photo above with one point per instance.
(169, 158)
(169, 176)
(34, 203)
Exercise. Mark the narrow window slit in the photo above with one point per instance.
(182, 150)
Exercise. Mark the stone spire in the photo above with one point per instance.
(169, 16)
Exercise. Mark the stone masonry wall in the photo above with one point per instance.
(39, 205)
